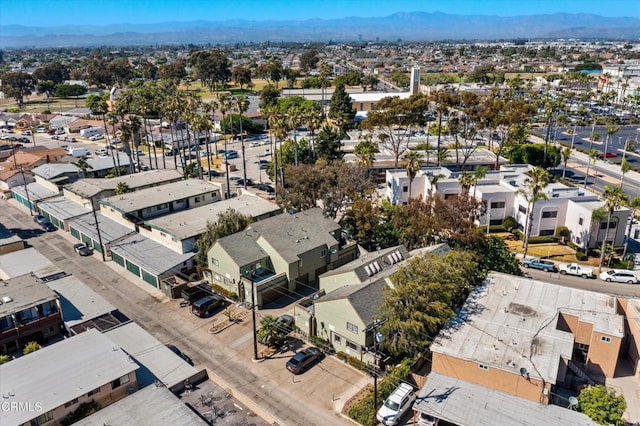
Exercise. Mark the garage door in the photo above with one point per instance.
(273, 293)
(150, 278)
(118, 259)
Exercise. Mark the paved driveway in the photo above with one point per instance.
(306, 400)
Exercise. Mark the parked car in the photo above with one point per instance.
(619, 276)
(23, 140)
(240, 182)
(285, 322)
(205, 307)
(55, 137)
(195, 293)
(82, 249)
(231, 154)
(101, 151)
(59, 132)
(39, 219)
(304, 359)
(46, 225)
(425, 419)
(266, 188)
(608, 155)
(41, 130)
(254, 143)
(267, 152)
(180, 354)
(70, 139)
(394, 407)
(26, 132)
(537, 263)
(578, 270)
(212, 172)
(96, 137)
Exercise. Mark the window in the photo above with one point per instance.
(70, 403)
(612, 225)
(405, 189)
(337, 338)
(119, 382)
(323, 253)
(580, 221)
(498, 205)
(214, 261)
(549, 214)
(449, 196)
(483, 367)
(197, 199)
(352, 328)
(522, 209)
(546, 232)
(95, 391)
(605, 339)
(42, 419)
(352, 345)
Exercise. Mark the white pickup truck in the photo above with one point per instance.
(575, 269)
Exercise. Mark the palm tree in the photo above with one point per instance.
(365, 151)
(611, 129)
(634, 204)
(566, 153)
(624, 168)
(83, 166)
(537, 179)
(411, 161)
(593, 155)
(433, 182)
(466, 181)
(613, 199)
(242, 105)
(224, 104)
(478, 174)
(270, 332)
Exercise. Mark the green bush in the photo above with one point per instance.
(223, 291)
(497, 228)
(581, 256)
(4, 359)
(542, 240)
(509, 222)
(31, 347)
(321, 343)
(84, 410)
(563, 231)
(574, 246)
(518, 234)
(352, 361)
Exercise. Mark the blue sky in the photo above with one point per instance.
(104, 12)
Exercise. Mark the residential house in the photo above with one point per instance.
(134, 208)
(103, 166)
(30, 311)
(26, 261)
(54, 381)
(10, 178)
(85, 190)
(526, 339)
(278, 256)
(56, 174)
(180, 231)
(504, 192)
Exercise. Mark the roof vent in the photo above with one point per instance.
(400, 257)
(391, 259)
(377, 266)
(367, 268)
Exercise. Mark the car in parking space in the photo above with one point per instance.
(101, 151)
(55, 137)
(59, 132)
(96, 137)
(205, 306)
(41, 130)
(181, 354)
(39, 219)
(26, 132)
(82, 249)
(240, 182)
(266, 188)
(304, 359)
(212, 172)
(285, 322)
(394, 407)
(23, 140)
(46, 225)
(70, 139)
(619, 276)
(608, 155)
(254, 143)
(231, 154)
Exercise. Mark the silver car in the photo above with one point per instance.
(619, 276)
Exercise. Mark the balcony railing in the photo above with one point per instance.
(30, 328)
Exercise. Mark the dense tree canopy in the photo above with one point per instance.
(229, 222)
(17, 85)
(603, 405)
(341, 111)
(212, 67)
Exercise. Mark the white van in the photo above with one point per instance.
(78, 152)
(396, 405)
(91, 131)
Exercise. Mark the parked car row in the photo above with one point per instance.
(612, 275)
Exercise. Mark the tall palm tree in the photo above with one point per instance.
(466, 181)
(225, 105)
(411, 161)
(611, 130)
(537, 179)
(613, 199)
(241, 105)
(566, 154)
(478, 174)
(365, 151)
(593, 155)
(624, 168)
(634, 204)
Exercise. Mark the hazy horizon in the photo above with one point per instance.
(113, 12)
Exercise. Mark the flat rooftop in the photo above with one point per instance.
(510, 322)
(26, 261)
(110, 230)
(82, 364)
(193, 222)
(167, 193)
(155, 359)
(77, 301)
(36, 191)
(90, 187)
(63, 208)
(153, 405)
(24, 291)
(153, 257)
(467, 404)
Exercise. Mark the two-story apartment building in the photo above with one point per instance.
(30, 311)
(132, 209)
(504, 193)
(46, 385)
(278, 255)
(522, 340)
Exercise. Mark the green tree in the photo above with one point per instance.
(70, 90)
(425, 293)
(4, 359)
(366, 152)
(613, 199)
(328, 145)
(175, 71)
(229, 222)
(593, 155)
(83, 165)
(49, 76)
(537, 179)
(269, 96)
(212, 67)
(624, 168)
(17, 85)
(97, 71)
(308, 60)
(634, 204)
(241, 75)
(341, 111)
(566, 154)
(31, 347)
(603, 405)
(122, 188)
(412, 162)
(270, 332)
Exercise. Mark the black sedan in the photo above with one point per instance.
(47, 226)
(304, 359)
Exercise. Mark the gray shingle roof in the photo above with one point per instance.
(365, 298)
(242, 247)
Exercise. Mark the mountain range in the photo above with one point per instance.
(413, 26)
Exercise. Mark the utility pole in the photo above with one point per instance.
(249, 274)
(26, 190)
(375, 369)
(95, 218)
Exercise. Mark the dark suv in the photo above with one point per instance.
(205, 307)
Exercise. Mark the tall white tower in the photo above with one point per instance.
(414, 86)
